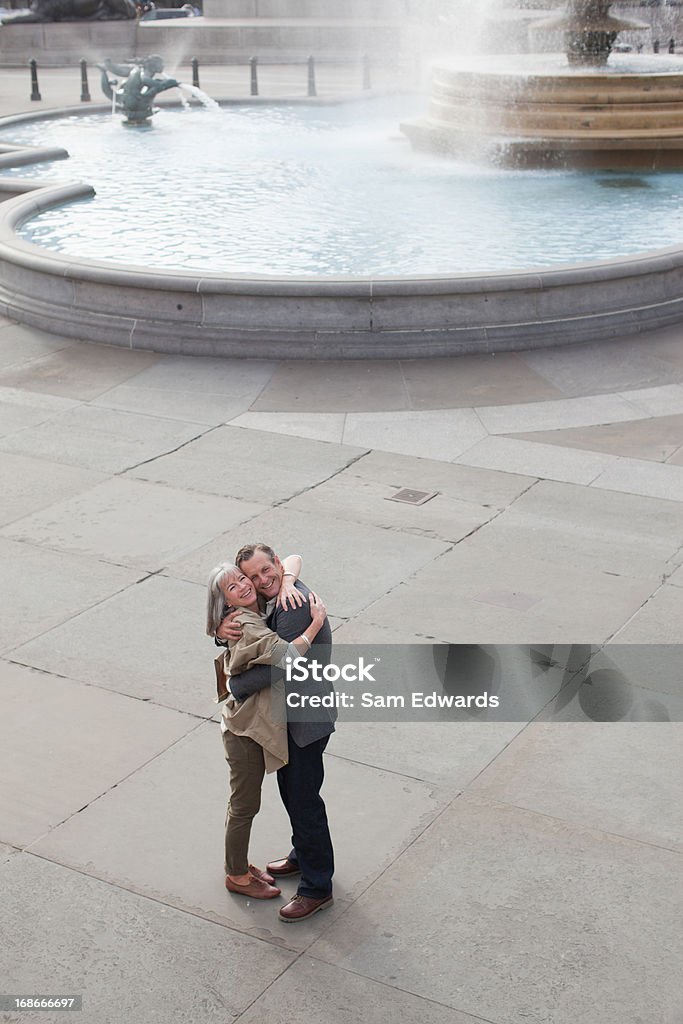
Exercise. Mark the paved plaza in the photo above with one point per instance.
(499, 872)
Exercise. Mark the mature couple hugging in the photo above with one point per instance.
(262, 614)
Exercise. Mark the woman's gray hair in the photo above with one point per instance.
(215, 605)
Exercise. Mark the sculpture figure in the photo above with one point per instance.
(135, 94)
(74, 10)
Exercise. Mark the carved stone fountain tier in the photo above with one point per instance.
(630, 120)
(580, 112)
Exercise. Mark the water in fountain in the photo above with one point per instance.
(328, 191)
(188, 92)
(290, 190)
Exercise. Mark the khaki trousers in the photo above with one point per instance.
(247, 768)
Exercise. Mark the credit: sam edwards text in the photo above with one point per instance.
(338, 699)
(299, 670)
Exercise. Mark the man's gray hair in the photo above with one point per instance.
(215, 605)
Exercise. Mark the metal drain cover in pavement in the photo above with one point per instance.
(411, 497)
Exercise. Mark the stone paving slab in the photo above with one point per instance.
(362, 500)
(200, 390)
(554, 536)
(619, 520)
(47, 404)
(528, 458)
(605, 698)
(652, 667)
(312, 991)
(555, 415)
(19, 344)
(659, 621)
(74, 584)
(19, 410)
(319, 426)
(30, 485)
(666, 400)
(132, 522)
(618, 682)
(334, 386)
(360, 630)
(638, 477)
(465, 483)
(653, 439)
(331, 546)
(464, 381)
(441, 434)
(52, 728)
(249, 464)
(676, 578)
(622, 778)
(511, 915)
(444, 754)
(142, 642)
(176, 405)
(533, 543)
(78, 371)
(183, 867)
(207, 377)
(131, 958)
(610, 366)
(15, 417)
(101, 439)
(472, 595)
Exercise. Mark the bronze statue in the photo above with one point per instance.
(134, 95)
(74, 10)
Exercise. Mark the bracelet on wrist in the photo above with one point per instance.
(306, 640)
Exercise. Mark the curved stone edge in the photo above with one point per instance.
(312, 317)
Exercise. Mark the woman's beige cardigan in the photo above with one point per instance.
(263, 716)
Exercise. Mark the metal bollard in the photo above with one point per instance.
(35, 91)
(85, 90)
(195, 72)
(253, 64)
(366, 72)
(312, 91)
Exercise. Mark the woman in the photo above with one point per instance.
(255, 730)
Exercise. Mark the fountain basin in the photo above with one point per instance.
(534, 111)
(315, 316)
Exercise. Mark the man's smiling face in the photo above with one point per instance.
(264, 574)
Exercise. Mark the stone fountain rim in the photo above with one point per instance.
(345, 317)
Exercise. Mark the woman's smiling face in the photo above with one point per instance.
(238, 590)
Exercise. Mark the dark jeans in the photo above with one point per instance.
(300, 781)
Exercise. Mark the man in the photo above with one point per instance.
(299, 781)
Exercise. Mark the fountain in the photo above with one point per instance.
(578, 111)
(134, 96)
(586, 108)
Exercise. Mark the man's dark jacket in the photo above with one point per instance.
(289, 624)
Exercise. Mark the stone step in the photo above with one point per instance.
(212, 40)
(215, 40)
(363, 10)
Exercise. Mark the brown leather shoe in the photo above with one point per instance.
(301, 907)
(263, 875)
(283, 867)
(256, 889)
